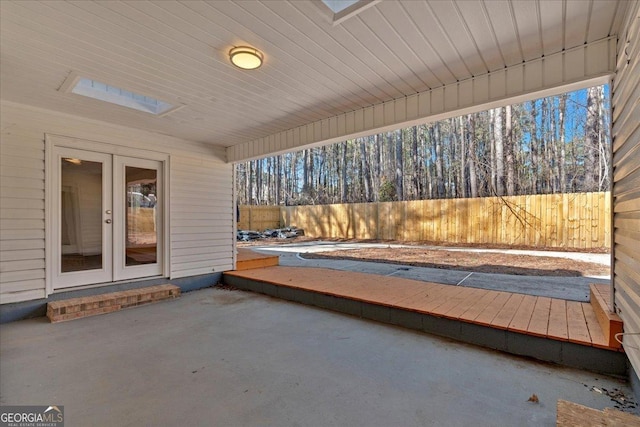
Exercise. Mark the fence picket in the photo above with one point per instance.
(574, 221)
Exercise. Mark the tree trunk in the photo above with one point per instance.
(534, 148)
(591, 142)
(562, 109)
(471, 132)
(377, 167)
(343, 187)
(417, 169)
(463, 159)
(399, 172)
(499, 153)
(366, 173)
(435, 129)
(544, 142)
(278, 179)
(603, 150)
(511, 183)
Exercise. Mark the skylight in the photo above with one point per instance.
(341, 10)
(115, 95)
(338, 6)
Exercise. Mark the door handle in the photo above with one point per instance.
(108, 221)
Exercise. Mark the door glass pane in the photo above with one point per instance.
(142, 238)
(81, 215)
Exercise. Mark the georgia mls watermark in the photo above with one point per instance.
(32, 416)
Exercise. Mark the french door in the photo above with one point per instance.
(108, 218)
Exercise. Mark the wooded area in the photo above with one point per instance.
(552, 145)
(568, 221)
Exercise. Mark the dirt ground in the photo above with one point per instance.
(456, 260)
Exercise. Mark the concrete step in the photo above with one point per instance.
(609, 321)
(76, 308)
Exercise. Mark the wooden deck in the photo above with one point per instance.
(548, 318)
(247, 260)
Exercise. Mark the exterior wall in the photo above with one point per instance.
(626, 183)
(201, 216)
(200, 192)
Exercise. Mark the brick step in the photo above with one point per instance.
(610, 322)
(572, 414)
(76, 308)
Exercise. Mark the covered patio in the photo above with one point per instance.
(120, 125)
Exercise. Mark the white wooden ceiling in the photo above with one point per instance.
(177, 51)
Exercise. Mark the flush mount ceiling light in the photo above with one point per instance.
(245, 57)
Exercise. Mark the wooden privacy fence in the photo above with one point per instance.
(259, 217)
(573, 221)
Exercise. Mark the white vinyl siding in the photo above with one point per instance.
(626, 184)
(201, 216)
(22, 269)
(200, 192)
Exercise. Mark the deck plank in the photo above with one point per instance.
(454, 301)
(506, 313)
(425, 299)
(431, 304)
(385, 292)
(473, 297)
(470, 314)
(577, 324)
(558, 320)
(521, 319)
(488, 314)
(539, 323)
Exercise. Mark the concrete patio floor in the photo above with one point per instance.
(232, 358)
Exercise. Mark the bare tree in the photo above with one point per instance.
(509, 152)
(399, 172)
(591, 174)
(561, 141)
(417, 165)
(435, 137)
(499, 151)
(473, 180)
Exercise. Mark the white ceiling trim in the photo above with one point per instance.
(586, 65)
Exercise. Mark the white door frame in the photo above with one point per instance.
(83, 277)
(51, 187)
(120, 270)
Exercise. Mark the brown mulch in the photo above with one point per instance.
(525, 265)
(500, 263)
